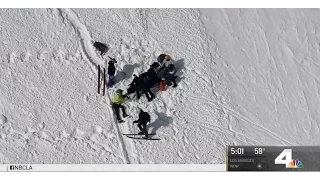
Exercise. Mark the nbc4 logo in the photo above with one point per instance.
(286, 158)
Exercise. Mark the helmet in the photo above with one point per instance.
(119, 91)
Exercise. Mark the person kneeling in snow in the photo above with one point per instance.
(168, 76)
(151, 74)
(144, 118)
(135, 86)
(166, 62)
(162, 57)
(117, 101)
(144, 86)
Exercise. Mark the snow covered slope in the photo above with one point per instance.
(249, 77)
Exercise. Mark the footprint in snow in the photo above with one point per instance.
(3, 119)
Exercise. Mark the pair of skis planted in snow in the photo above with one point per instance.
(103, 82)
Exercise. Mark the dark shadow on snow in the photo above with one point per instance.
(162, 120)
(179, 64)
(126, 73)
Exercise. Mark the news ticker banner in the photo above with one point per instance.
(273, 158)
(112, 167)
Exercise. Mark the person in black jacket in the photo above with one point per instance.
(132, 86)
(151, 75)
(136, 86)
(141, 84)
(144, 118)
(111, 71)
(169, 76)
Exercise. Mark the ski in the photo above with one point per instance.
(138, 134)
(98, 79)
(143, 138)
(104, 81)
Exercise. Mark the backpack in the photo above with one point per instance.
(144, 117)
(100, 47)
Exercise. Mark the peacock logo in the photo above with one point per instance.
(295, 163)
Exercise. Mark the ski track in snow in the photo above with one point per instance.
(127, 146)
(40, 134)
(239, 116)
(85, 37)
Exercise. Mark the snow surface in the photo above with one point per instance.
(249, 77)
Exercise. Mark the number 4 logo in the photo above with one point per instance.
(286, 158)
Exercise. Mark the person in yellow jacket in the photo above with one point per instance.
(117, 101)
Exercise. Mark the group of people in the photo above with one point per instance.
(162, 70)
